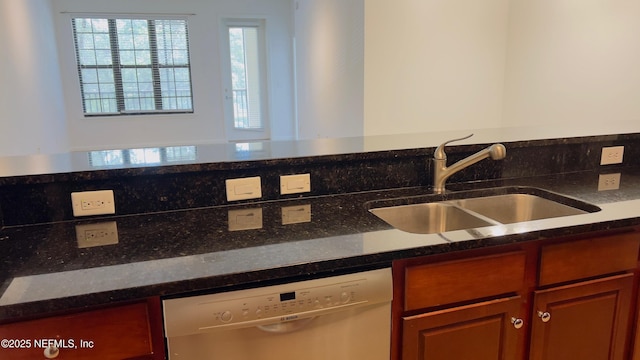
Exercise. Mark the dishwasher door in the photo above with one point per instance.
(339, 318)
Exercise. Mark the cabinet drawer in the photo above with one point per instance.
(117, 333)
(588, 258)
(462, 280)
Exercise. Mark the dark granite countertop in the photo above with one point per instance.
(103, 164)
(169, 253)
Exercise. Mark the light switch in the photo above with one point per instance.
(244, 188)
(294, 184)
(296, 214)
(245, 219)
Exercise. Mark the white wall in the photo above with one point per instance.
(32, 119)
(502, 63)
(329, 36)
(206, 124)
(434, 65)
(575, 62)
(429, 65)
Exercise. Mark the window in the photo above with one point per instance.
(133, 66)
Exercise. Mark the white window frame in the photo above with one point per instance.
(158, 94)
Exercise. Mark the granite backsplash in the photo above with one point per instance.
(37, 199)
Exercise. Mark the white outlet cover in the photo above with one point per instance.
(609, 182)
(87, 203)
(97, 234)
(612, 155)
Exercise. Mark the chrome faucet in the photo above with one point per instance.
(441, 172)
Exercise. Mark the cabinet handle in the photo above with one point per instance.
(51, 352)
(517, 322)
(544, 316)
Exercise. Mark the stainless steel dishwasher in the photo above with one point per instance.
(343, 317)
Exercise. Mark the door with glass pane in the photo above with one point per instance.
(245, 80)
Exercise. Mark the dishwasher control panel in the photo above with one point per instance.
(286, 304)
(273, 304)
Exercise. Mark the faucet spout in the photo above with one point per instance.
(441, 172)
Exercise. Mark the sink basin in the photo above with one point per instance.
(430, 214)
(513, 208)
(429, 218)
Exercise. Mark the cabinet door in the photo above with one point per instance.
(482, 331)
(587, 320)
(118, 333)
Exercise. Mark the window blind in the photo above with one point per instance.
(133, 66)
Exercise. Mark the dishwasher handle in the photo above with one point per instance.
(286, 327)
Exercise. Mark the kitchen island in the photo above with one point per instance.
(178, 250)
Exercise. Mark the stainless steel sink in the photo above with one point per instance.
(429, 218)
(472, 209)
(513, 208)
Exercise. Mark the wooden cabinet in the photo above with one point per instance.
(569, 300)
(584, 319)
(450, 282)
(575, 260)
(473, 310)
(125, 332)
(587, 320)
(483, 331)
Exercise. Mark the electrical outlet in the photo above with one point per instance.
(88, 203)
(296, 214)
(611, 155)
(98, 234)
(242, 189)
(293, 184)
(609, 182)
(245, 219)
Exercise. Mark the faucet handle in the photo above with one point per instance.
(440, 154)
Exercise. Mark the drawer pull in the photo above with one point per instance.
(517, 322)
(544, 316)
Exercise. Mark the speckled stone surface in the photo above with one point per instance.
(176, 240)
(36, 199)
(189, 188)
